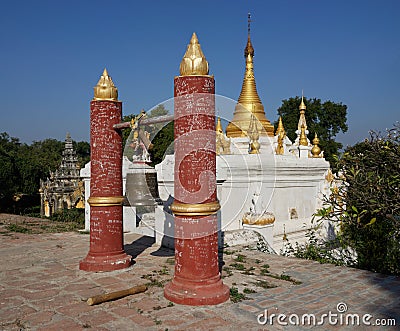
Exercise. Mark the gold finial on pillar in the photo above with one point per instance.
(303, 137)
(315, 150)
(105, 88)
(194, 62)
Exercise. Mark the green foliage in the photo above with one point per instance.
(22, 167)
(126, 132)
(238, 266)
(370, 190)
(316, 249)
(240, 258)
(366, 204)
(18, 228)
(82, 149)
(162, 143)
(236, 296)
(327, 119)
(75, 215)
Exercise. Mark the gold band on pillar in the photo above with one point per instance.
(196, 209)
(105, 201)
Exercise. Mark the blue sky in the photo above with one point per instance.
(53, 53)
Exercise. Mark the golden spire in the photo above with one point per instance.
(194, 62)
(315, 150)
(280, 127)
(249, 47)
(249, 102)
(219, 126)
(302, 104)
(280, 132)
(303, 138)
(105, 88)
(302, 119)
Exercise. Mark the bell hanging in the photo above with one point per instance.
(142, 189)
(152, 184)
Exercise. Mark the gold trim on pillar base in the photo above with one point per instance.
(195, 209)
(105, 201)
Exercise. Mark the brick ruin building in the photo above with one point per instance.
(63, 189)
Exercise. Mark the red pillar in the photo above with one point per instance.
(106, 251)
(197, 280)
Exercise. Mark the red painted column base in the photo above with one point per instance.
(189, 292)
(100, 262)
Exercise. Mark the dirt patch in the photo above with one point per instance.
(10, 223)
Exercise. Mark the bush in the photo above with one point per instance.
(74, 215)
(366, 202)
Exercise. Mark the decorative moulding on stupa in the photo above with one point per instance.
(194, 62)
(105, 88)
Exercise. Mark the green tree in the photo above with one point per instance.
(36, 161)
(367, 202)
(326, 119)
(163, 143)
(9, 183)
(161, 135)
(82, 149)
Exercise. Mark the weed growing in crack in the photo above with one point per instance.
(236, 296)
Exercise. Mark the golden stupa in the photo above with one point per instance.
(249, 102)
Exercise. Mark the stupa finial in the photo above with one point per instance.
(249, 47)
(302, 104)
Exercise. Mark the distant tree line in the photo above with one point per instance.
(22, 166)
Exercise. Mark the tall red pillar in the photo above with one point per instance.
(106, 251)
(197, 280)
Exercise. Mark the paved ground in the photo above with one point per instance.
(41, 288)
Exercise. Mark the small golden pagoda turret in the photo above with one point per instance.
(105, 88)
(316, 150)
(249, 102)
(218, 128)
(280, 127)
(222, 144)
(194, 62)
(303, 138)
(302, 119)
(254, 136)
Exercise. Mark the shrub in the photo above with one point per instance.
(366, 201)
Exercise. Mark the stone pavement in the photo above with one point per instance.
(41, 288)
